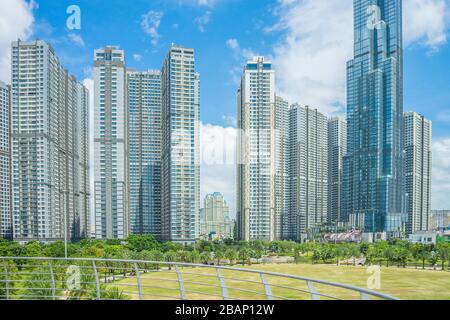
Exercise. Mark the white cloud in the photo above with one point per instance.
(218, 169)
(150, 24)
(202, 21)
(76, 39)
(233, 44)
(137, 57)
(441, 174)
(16, 21)
(318, 41)
(426, 22)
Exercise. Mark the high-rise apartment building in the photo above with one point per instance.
(373, 186)
(308, 171)
(144, 107)
(49, 120)
(6, 230)
(180, 159)
(260, 167)
(439, 219)
(216, 219)
(418, 165)
(337, 148)
(111, 185)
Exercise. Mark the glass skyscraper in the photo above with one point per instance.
(144, 113)
(373, 193)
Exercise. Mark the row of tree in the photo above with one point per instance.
(396, 252)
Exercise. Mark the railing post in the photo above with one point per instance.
(223, 286)
(139, 283)
(97, 280)
(181, 284)
(364, 296)
(313, 291)
(267, 288)
(6, 280)
(52, 275)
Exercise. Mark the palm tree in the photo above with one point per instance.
(444, 251)
(231, 255)
(244, 255)
(219, 255)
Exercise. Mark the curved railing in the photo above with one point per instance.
(99, 279)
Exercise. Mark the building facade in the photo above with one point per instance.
(144, 107)
(216, 223)
(418, 167)
(308, 171)
(111, 184)
(337, 148)
(260, 160)
(373, 186)
(439, 220)
(49, 141)
(6, 230)
(180, 154)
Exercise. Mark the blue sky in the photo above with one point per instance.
(309, 42)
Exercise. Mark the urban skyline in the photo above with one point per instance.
(190, 203)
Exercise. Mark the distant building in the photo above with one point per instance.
(424, 237)
(417, 165)
(215, 219)
(439, 220)
(6, 224)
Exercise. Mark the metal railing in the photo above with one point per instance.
(25, 278)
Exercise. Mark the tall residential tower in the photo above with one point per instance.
(337, 148)
(308, 171)
(49, 117)
(5, 169)
(111, 183)
(180, 143)
(261, 148)
(418, 163)
(144, 107)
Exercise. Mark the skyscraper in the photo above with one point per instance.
(180, 143)
(216, 218)
(49, 117)
(6, 230)
(144, 107)
(260, 160)
(373, 188)
(337, 148)
(111, 145)
(418, 163)
(308, 171)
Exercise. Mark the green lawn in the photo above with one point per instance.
(203, 284)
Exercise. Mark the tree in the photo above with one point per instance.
(219, 255)
(444, 251)
(244, 255)
(140, 243)
(433, 258)
(231, 255)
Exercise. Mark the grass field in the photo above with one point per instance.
(203, 284)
